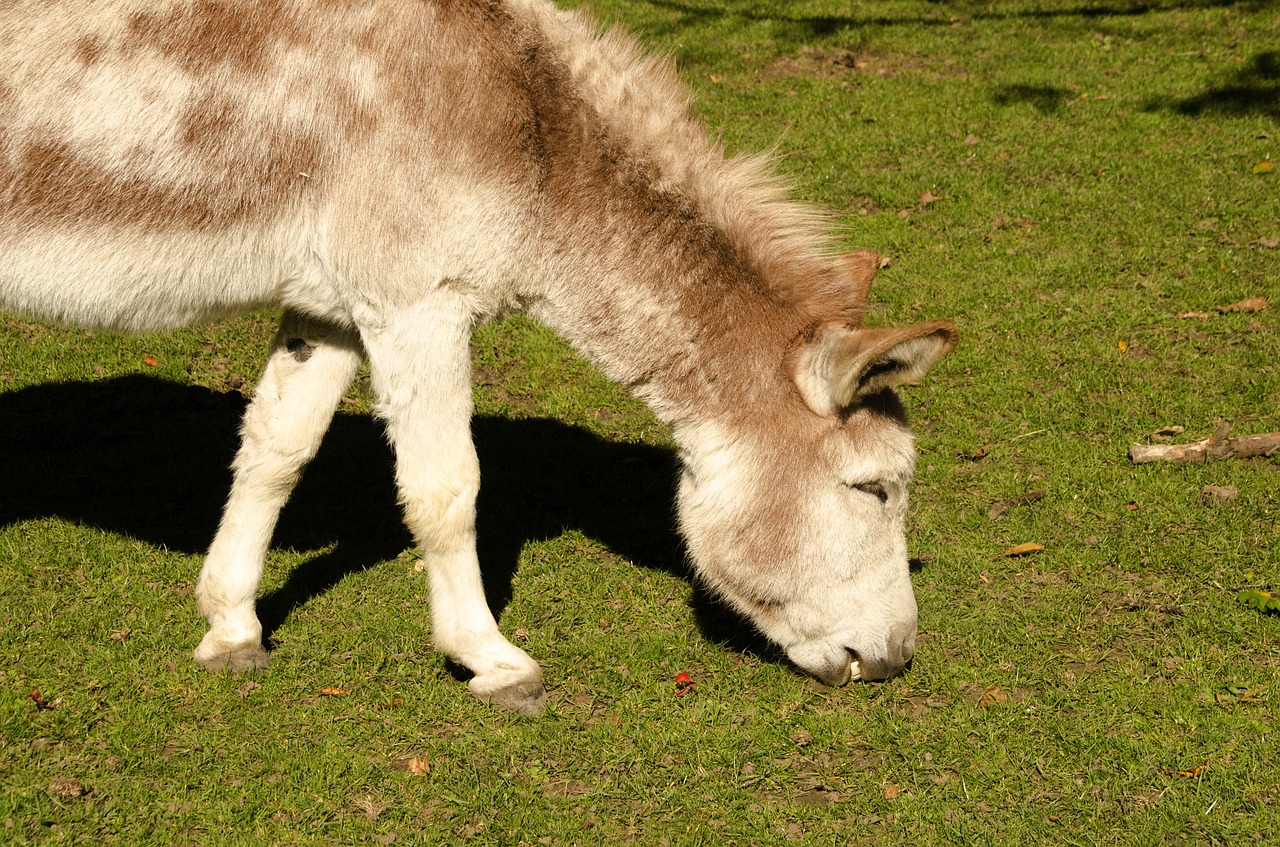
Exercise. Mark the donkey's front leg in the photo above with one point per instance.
(311, 364)
(421, 372)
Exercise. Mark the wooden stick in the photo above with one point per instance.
(1216, 446)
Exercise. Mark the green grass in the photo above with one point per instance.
(1092, 169)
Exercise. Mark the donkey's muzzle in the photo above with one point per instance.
(899, 648)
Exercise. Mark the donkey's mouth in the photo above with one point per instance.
(834, 667)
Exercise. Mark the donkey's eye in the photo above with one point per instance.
(875, 489)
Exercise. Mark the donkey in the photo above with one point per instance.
(392, 174)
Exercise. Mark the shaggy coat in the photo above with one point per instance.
(394, 173)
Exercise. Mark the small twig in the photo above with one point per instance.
(1216, 446)
(1163, 608)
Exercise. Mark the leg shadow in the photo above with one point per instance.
(150, 459)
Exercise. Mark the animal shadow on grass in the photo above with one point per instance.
(1253, 89)
(1047, 99)
(151, 459)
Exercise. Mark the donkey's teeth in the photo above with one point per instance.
(855, 670)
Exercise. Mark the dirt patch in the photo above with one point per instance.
(840, 63)
(812, 61)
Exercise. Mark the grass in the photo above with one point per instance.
(1058, 177)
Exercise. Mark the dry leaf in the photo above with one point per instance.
(998, 509)
(1123, 346)
(334, 692)
(891, 790)
(1249, 304)
(1191, 773)
(1266, 166)
(1022, 550)
(992, 696)
(418, 766)
(38, 699)
(149, 361)
(927, 197)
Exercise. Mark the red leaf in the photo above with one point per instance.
(39, 701)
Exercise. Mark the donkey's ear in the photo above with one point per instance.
(842, 365)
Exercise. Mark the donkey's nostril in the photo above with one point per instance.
(908, 647)
(900, 647)
(902, 643)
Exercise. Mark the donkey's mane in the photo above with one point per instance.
(641, 100)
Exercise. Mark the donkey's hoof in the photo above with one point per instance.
(244, 659)
(525, 698)
(512, 688)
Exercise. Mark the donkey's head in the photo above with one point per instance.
(796, 517)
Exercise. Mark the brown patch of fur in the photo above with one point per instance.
(206, 33)
(476, 107)
(88, 50)
(600, 188)
(52, 184)
(232, 163)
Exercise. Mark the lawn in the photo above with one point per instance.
(1083, 187)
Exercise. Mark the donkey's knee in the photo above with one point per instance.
(440, 511)
(310, 365)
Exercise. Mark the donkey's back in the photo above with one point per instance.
(167, 161)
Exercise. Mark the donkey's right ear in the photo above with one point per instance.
(841, 365)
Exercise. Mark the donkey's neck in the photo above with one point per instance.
(665, 304)
(682, 273)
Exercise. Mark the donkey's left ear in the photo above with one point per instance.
(841, 365)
